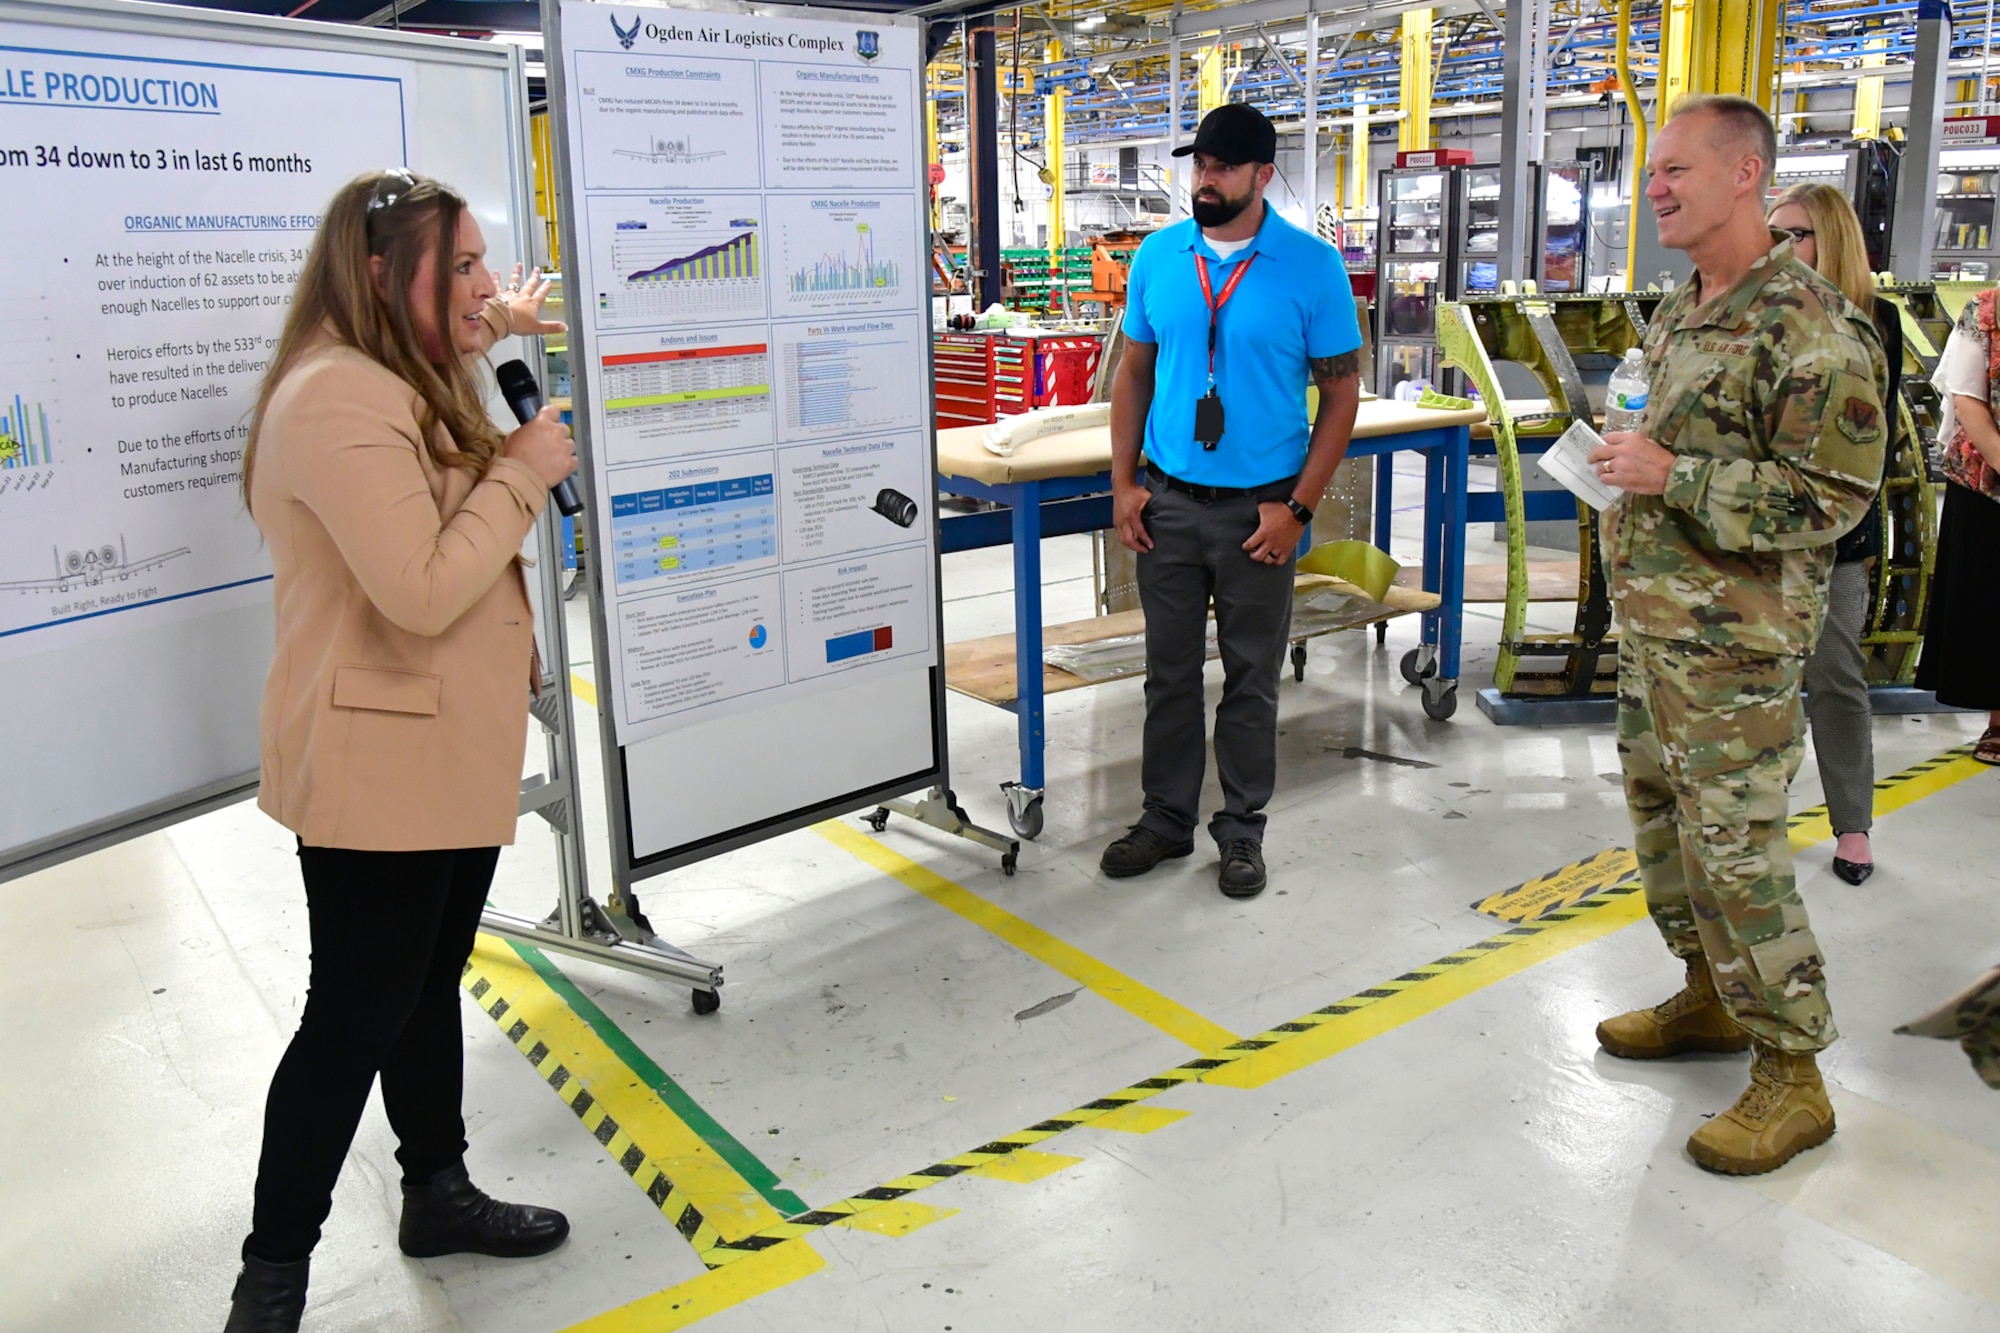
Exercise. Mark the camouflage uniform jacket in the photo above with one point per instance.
(1771, 398)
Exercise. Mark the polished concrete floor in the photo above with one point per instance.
(1455, 1155)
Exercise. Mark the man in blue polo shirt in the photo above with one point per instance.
(1228, 314)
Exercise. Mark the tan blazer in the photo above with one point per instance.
(395, 716)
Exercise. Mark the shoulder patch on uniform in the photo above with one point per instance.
(1860, 421)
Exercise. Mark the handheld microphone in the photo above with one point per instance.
(518, 387)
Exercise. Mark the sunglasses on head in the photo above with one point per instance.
(396, 182)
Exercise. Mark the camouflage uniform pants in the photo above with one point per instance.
(1709, 739)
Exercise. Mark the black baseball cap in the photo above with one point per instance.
(1234, 133)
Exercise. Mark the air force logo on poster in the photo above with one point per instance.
(867, 43)
(625, 38)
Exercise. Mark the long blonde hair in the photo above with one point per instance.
(398, 216)
(1843, 258)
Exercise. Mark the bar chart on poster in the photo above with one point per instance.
(747, 190)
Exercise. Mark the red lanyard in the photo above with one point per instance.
(1215, 304)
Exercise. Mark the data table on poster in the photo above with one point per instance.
(697, 374)
(681, 530)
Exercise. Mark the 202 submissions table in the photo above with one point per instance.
(704, 526)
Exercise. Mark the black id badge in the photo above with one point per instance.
(1208, 420)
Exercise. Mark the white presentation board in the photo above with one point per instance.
(167, 168)
(746, 257)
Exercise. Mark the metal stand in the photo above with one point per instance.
(616, 932)
(939, 809)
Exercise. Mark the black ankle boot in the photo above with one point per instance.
(269, 1298)
(448, 1214)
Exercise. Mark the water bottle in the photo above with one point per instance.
(1625, 400)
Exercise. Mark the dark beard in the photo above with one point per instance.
(1218, 212)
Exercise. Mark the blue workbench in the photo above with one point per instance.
(1060, 484)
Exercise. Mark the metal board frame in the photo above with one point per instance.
(628, 867)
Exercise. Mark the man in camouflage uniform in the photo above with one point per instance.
(1763, 444)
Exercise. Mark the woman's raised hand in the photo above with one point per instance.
(545, 446)
(524, 304)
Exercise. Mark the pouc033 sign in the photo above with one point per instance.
(1969, 129)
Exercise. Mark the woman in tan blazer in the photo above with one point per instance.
(395, 716)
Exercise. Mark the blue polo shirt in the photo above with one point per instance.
(1294, 304)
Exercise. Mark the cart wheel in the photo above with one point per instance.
(707, 1001)
(1007, 861)
(879, 820)
(1443, 705)
(1408, 666)
(1298, 661)
(1027, 823)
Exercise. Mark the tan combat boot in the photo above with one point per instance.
(1782, 1113)
(1694, 1020)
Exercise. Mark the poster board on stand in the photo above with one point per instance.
(747, 247)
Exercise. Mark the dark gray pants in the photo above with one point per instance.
(1843, 719)
(1198, 555)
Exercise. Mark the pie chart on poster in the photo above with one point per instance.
(758, 638)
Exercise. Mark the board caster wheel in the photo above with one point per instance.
(707, 1001)
(1408, 666)
(1440, 704)
(1007, 863)
(1298, 661)
(877, 821)
(1027, 822)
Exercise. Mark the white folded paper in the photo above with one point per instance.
(1567, 460)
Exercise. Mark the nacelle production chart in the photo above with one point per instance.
(751, 302)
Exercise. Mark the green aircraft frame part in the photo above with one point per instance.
(1547, 336)
(1544, 335)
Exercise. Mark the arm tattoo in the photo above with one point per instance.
(1326, 368)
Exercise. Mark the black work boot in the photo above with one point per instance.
(1242, 873)
(269, 1298)
(1139, 851)
(448, 1214)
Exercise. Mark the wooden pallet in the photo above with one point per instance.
(984, 668)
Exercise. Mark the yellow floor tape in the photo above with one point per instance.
(1107, 982)
(699, 1192)
(1574, 883)
(746, 1266)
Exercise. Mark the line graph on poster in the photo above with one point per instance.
(676, 259)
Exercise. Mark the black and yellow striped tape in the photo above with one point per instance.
(631, 1159)
(1192, 1071)
(1616, 866)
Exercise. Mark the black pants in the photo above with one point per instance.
(390, 935)
(1197, 556)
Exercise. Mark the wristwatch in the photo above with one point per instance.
(1299, 511)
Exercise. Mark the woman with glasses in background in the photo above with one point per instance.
(395, 716)
(1826, 236)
